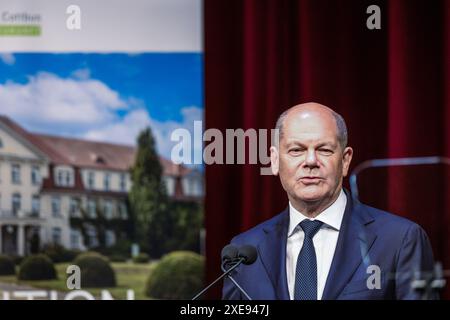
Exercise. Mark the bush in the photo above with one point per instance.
(16, 259)
(141, 258)
(96, 271)
(7, 266)
(59, 254)
(178, 275)
(117, 258)
(37, 267)
(122, 248)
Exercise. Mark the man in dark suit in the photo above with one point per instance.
(324, 245)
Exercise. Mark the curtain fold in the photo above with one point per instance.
(391, 86)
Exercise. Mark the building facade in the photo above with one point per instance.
(45, 181)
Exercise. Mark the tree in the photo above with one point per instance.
(148, 198)
(187, 222)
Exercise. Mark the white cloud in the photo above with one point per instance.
(7, 58)
(82, 74)
(87, 108)
(63, 103)
(126, 130)
(122, 131)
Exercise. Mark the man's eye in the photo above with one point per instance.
(295, 150)
(326, 151)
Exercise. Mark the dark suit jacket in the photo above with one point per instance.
(368, 236)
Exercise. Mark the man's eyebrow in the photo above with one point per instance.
(295, 143)
(325, 144)
(319, 145)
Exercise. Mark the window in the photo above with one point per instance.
(15, 173)
(108, 209)
(35, 206)
(91, 180)
(123, 182)
(35, 175)
(73, 207)
(123, 210)
(68, 177)
(92, 236)
(197, 187)
(59, 178)
(56, 235)
(92, 209)
(99, 159)
(16, 203)
(106, 181)
(56, 206)
(75, 239)
(170, 185)
(110, 238)
(64, 178)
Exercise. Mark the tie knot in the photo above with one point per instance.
(310, 227)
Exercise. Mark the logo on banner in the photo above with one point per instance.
(20, 23)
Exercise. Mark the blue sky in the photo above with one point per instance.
(107, 97)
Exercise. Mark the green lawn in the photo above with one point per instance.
(129, 276)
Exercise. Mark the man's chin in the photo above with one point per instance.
(310, 195)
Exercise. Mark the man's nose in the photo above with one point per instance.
(311, 159)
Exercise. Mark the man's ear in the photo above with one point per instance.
(274, 160)
(346, 159)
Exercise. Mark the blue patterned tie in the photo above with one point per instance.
(306, 272)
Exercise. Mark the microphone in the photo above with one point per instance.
(233, 256)
(229, 252)
(247, 255)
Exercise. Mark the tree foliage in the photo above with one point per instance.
(161, 224)
(148, 197)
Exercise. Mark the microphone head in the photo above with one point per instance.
(248, 253)
(229, 252)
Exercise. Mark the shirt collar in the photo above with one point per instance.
(331, 216)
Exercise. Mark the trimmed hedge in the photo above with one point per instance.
(117, 258)
(178, 275)
(96, 271)
(141, 258)
(58, 253)
(16, 259)
(37, 267)
(7, 266)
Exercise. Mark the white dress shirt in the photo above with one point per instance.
(324, 241)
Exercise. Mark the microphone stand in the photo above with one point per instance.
(235, 282)
(223, 275)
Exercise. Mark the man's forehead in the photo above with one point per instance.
(310, 139)
(308, 118)
(307, 128)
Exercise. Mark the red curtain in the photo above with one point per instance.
(391, 86)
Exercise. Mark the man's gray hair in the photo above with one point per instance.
(340, 123)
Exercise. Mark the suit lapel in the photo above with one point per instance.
(272, 251)
(353, 244)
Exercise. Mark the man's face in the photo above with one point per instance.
(311, 162)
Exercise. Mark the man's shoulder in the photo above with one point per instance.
(257, 233)
(389, 221)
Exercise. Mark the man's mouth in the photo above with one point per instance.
(310, 180)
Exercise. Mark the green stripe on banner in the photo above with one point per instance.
(20, 30)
